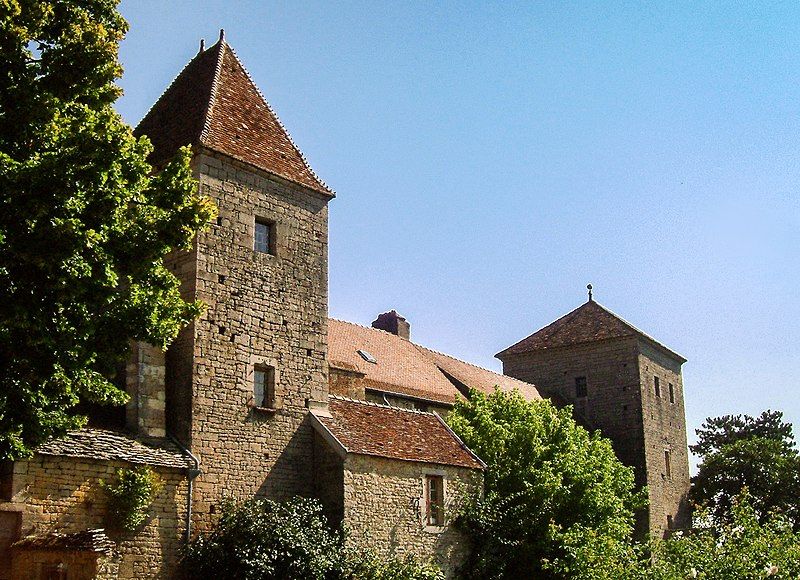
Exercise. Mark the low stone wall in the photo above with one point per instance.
(384, 508)
(63, 494)
(35, 564)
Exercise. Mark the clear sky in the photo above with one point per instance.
(492, 159)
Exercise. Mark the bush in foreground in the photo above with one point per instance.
(264, 540)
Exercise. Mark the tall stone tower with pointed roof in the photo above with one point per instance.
(241, 378)
(625, 383)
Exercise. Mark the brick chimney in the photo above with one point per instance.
(392, 322)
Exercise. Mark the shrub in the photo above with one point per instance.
(262, 540)
(558, 503)
(743, 548)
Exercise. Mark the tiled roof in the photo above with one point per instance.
(110, 446)
(85, 541)
(408, 369)
(366, 428)
(589, 322)
(479, 378)
(401, 368)
(213, 102)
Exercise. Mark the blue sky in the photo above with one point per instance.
(492, 159)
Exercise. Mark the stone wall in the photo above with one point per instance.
(263, 309)
(329, 480)
(63, 494)
(41, 564)
(664, 431)
(346, 382)
(384, 508)
(144, 378)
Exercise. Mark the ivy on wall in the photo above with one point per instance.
(131, 496)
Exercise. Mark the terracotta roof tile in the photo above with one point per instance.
(408, 369)
(479, 378)
(85, 541)
(111, 446)
(369, 429)
(400, 367)
(213, 102)
(588, 323)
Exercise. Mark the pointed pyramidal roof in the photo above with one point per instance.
(214, 103)
(590, 322)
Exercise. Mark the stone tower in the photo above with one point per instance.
(241, 379)
(626, 384)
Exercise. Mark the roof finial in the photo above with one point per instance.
(589, 288)
(222, 35)
(202, 44)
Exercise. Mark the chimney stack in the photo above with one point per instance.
(392, 322)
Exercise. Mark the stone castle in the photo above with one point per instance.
(264, 395)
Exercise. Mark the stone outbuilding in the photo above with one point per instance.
(396, 478)
(56, 501)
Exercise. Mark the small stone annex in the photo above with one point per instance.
(265, 396)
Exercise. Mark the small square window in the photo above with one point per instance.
(264, 239)
(434, 500)
(657, 384)
(671, 393)
(264, 387)
(580, 387)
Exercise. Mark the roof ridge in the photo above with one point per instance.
(278, 120)
(379, 405)
(471, 364)
(638, 330)
(419, 346)
(631, 330)
(169, 86)
(372, 328)
(220, 46)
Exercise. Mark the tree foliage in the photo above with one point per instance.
(84, 222)
(557, 503)
(738, 452)
(742, 548)
(266, 540)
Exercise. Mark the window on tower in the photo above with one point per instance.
(671, 393)
(580, 387)
(667, 464)
(264, 238)
(264, 387)
(657, 384)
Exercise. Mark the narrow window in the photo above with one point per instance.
(671, 393)
(264, 241)
(657, 384)
(434, 496)
(667, 464)
(669, 522)
(580, 387)
(264, 387)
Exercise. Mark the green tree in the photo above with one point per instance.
(757, 453)
(557, 503)
(263, 540)
(84, 221)
(742, 548)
